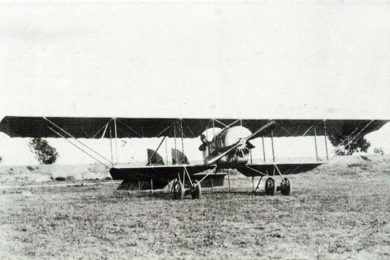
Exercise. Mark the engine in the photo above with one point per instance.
(208, 147)
(232, 136)
(216, 140)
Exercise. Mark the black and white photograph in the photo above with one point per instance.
(173, 129)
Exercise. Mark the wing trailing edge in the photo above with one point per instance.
(103, 127)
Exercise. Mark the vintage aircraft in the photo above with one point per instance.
(225, 144)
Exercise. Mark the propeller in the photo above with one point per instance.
(241, 143)
(229, 125)
(261, 129)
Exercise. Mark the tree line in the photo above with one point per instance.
(47, 154)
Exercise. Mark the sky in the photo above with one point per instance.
(258, 59)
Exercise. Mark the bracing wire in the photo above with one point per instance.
(78, 141)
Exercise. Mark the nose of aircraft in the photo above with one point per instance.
(236, 134)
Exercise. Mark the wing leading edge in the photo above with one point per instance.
(97, 127)
(251, 170)
(165, 172)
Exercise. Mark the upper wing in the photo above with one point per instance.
(96, 127)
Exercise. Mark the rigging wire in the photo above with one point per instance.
(78, 147)
(78, 141)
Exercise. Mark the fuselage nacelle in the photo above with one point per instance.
(216, 141)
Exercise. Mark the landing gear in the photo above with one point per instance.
(196, 191)
(178, 190)
(285, 187)
(270, 186)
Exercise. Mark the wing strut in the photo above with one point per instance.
(65, 134)
(101, 128)
(116, 141)
(105, 129)
(263, 146)
(272, 146)
(326, 141)
(78, 147)
(315, 143)
(357, 135)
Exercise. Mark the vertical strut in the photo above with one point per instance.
(315, 143)
(182, 136)
(166, 150)
(272, 143)
(116, 141)
(112, 155)
(213, 126)
(229, 180)
(174, 138)
(262, 143)
(326, 141)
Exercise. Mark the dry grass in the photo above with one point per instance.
(339, 211)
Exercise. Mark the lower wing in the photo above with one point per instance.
(274, 168)
(158, 173)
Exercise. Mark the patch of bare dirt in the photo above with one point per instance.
(27, 175)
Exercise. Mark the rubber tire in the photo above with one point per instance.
(270, 186)
(285, 187)
(178, 190)
(196, 192)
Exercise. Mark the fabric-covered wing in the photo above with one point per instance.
(161, 172)
(96, 127)
(269, 169)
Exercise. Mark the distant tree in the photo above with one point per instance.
(1, 159)
(379, 150)
(348, 147)
(44, 153)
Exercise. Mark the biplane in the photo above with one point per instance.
(225, 144)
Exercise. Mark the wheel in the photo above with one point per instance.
(178, 190)
(269, 186)
(285, 187)
(196, 191)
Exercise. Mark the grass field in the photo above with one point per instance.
(337, 211)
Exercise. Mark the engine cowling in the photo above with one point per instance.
(232, 136)
(217, 140)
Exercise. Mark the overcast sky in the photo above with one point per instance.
(259, 59)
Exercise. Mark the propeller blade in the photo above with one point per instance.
(261, 129)
(229, 125)
(224, 153)
(241, 142)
